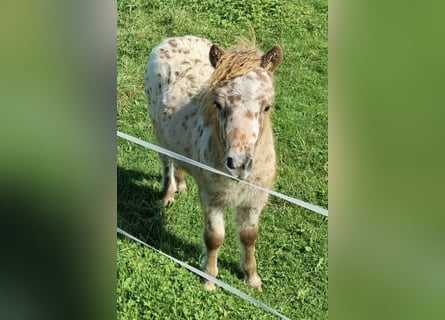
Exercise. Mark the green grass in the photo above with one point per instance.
(292, 250)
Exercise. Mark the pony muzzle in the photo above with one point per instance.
(239, 169)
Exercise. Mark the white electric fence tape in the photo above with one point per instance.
(179, 157)
(208, 277)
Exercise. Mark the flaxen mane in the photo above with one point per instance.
(236, 61)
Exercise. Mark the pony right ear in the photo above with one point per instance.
(215, 54)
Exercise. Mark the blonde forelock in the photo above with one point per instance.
(236, 61)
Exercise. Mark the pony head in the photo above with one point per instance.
(243, 93)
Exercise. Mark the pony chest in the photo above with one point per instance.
(226, 191)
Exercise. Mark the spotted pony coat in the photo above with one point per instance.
(212, 106)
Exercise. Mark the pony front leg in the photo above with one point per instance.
(213, 238)
(247, 227)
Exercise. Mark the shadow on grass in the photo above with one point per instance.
(141, 213)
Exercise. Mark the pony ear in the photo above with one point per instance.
(214, 54)
(272, 59)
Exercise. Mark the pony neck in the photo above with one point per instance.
(215, 143)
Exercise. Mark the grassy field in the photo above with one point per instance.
(292, 249)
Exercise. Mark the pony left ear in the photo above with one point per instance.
(272, 59)
(215, 54)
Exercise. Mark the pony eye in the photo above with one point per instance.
(266, 108)
(218, 106)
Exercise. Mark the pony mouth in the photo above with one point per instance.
(239, 173)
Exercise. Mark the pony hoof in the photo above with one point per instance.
(168, 201)
(208, 286)
(255, 282)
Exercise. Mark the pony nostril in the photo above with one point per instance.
(247, 165)
(229, 163)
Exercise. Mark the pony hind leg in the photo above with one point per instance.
(180, 181)
(247, 226)
(168, 180)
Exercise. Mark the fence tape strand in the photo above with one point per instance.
(179, 157)
(208, 277)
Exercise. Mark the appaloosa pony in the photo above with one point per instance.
(213, 106)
